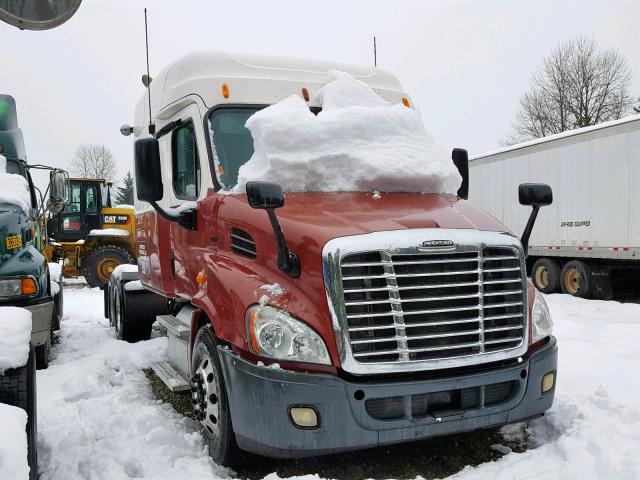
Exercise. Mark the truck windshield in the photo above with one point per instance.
(231, 142)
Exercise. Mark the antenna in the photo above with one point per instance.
(375, 53)
(147, 83)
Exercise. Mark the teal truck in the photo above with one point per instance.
(25, 280)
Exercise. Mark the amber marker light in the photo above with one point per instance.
(406, 102)
(305, 94)
(252, 331)
(201, 278)
(28, 286)
(225, 90)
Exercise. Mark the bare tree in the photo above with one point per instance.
(579, 84)
(93, 161)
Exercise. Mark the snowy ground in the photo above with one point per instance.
(99, 420)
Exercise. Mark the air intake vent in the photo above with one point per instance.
(242, 243)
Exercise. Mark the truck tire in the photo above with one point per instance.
(576, 279)
(42, 354)
(102, 261)
(18, 388)
(134, 313)
(210, 402)
(545, 275)
(58, 309)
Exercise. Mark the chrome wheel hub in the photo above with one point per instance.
(204, 395)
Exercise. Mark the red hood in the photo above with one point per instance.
(309, 220)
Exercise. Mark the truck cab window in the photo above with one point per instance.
(185, 162)
(90, 200)
(231, 142)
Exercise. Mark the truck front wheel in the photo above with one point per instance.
(575, 279)
(210, 402)
(546, 275)
(18, 388)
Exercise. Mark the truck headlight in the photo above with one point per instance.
(15, 287)
(275, 334)
(541, 322)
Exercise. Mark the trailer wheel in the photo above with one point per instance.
(210, 402)
(575, 279)
(546, 275)
(134, 313)
(102, 262)
(18, 388)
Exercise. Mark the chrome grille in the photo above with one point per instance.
(437, 308)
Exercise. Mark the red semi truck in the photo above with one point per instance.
(319, 322)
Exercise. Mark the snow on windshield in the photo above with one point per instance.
(358, 142)
(14, 189)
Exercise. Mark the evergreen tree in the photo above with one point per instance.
(124, 196)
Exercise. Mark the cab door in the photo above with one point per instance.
(91, 205)
(188, 181)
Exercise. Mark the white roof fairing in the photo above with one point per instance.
(252, 79)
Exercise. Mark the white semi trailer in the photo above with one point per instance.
(591, 232)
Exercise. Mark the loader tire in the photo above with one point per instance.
(545, 275)
(576, 279)
(18, 388)
(101, 262)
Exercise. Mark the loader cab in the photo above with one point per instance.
(83, 212)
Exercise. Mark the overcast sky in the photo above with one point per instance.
(465, 63)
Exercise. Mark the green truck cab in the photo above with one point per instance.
(24, 272)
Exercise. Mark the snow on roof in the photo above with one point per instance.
(358, 142)
(252, 79)
(14, 189)
(558, 136)
(13, 443)
(15, 335)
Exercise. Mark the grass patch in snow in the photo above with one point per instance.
(181, 402)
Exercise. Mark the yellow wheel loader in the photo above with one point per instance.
(89, 235)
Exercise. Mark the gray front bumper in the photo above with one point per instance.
(41, 322)
(260, 398)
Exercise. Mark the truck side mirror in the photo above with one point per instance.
(268, 196)
(460, 159)
(535, 195)
(264, 195)
(58, 191)
(147, 169)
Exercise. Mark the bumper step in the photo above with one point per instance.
(171, 378)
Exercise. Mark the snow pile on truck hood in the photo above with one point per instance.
(13, 443)
(14, 189)
(15, 334)
(358, 142)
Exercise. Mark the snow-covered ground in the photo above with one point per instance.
(99, 420)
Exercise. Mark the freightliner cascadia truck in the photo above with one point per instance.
(588, 243)
(397, 317)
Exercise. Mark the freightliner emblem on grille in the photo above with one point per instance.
(436, 243)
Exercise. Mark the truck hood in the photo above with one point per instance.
(309, 220)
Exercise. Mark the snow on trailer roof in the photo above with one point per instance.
(258, 79)
(558, 136)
